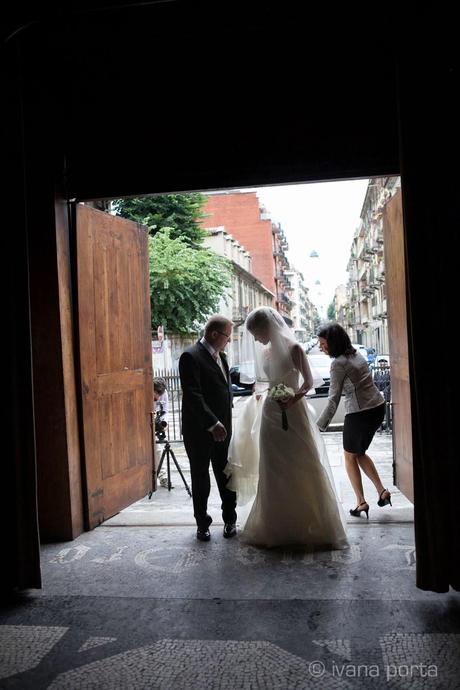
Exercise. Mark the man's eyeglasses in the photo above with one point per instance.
(226, 334)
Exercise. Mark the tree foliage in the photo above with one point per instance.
(182, 213)
(185, 283)
(331, 312)
(186, 279)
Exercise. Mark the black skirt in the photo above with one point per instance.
(359, 428)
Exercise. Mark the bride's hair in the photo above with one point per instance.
(264, 317)
(257, 319)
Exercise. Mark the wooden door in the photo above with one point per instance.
(395, 284)
(115, 360)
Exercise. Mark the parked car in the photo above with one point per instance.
(317, 397)
(321, 365)
(361, 349)
(370, 355)
(239, 390)
(238, 387)
(311, 343)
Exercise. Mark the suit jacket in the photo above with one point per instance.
(206, 395)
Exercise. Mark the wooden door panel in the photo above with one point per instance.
(115, 360)
(395, 285)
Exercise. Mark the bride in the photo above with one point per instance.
(287, 469)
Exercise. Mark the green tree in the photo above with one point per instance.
(331, 312)
(182, 213)
(185, 283)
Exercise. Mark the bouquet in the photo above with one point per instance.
(281, 393)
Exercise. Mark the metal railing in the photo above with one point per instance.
(382, 379)
(174, 415)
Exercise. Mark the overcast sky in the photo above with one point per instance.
(321, 217)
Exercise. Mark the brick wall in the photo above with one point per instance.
(239, 213)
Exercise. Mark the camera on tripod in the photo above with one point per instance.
(160, 424)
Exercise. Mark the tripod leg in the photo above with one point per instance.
(152, 435)
(161, 461)
(157, 471)
(167, 449)
(180, 472)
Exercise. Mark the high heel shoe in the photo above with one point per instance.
(360, 508)
(384, 501)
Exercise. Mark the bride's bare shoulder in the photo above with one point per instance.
(297, 354)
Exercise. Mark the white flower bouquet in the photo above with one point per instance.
(281, 393)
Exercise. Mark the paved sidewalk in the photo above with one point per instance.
(175, 507)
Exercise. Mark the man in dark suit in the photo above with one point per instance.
(207, 421)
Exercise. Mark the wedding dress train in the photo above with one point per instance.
(295, 503)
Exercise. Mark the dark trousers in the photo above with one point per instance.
(200, 453)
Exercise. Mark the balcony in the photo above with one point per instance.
(373, 278)
(366, 293)
(368, 290)
(369, 250)
(362, 272)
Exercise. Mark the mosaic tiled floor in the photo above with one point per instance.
(134, 561)
(407, 661)
(134, 608)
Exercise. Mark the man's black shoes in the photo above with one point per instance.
(229, 530)
(203, 534)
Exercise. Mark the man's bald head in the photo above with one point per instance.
(218, 331)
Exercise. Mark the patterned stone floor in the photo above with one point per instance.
(150, 607)
(139, 603)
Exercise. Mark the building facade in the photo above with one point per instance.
(243, 216)
(366, 309)
(302, 311)
(340, 305)
(246, 293)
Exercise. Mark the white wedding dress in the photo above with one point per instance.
(295, 503)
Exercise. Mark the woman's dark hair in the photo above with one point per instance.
(338, 342)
